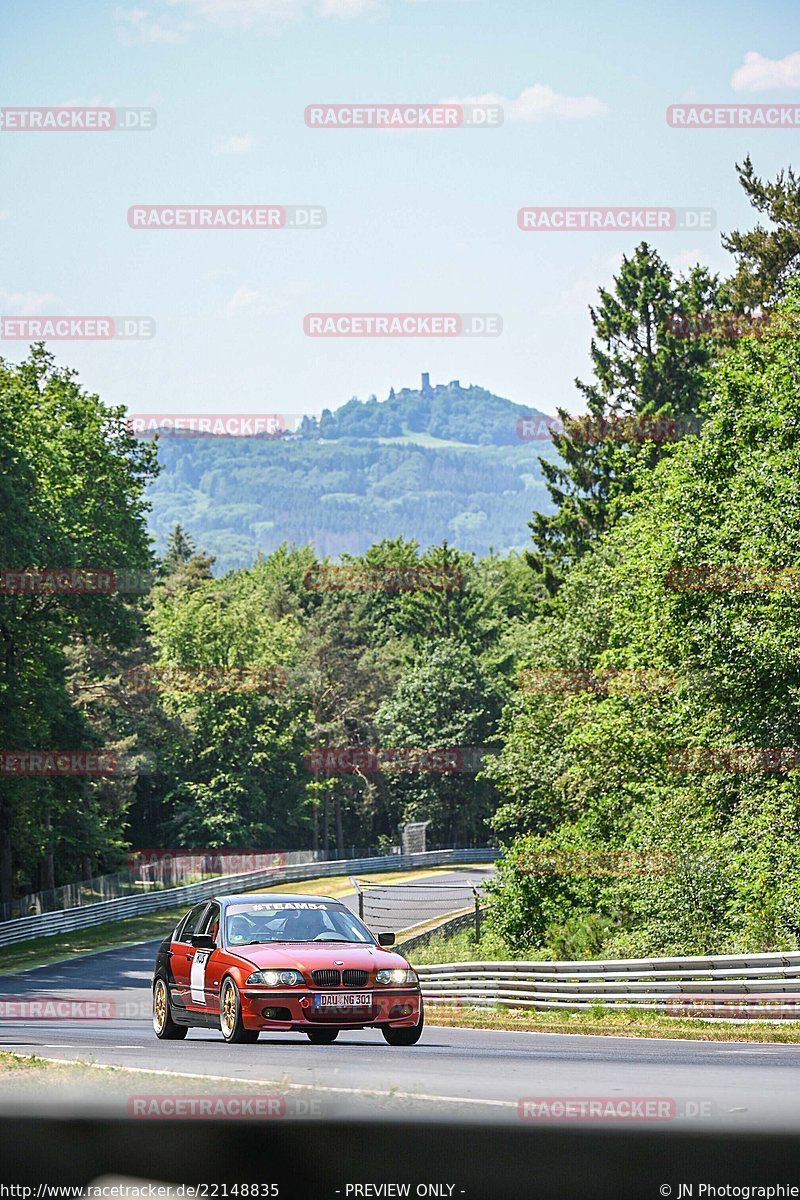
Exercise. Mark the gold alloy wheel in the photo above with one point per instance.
(160, 1004)
(228, 1008)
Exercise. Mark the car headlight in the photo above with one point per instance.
(274, 978)
(397, 975)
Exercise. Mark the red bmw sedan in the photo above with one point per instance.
(243, 964)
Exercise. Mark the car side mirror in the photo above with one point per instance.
(385, 939)
(203, 941)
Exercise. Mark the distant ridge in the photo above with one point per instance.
(427, 463)
(448, 412)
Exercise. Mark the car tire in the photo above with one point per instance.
(230, 1015)
(322, 1037)
(165, 1028)
(404, 1036)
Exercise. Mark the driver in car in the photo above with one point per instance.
(303, 926)
(239, 931)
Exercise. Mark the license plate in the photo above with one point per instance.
(344, 1000)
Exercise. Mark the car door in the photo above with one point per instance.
(183, 955)
(206, 969)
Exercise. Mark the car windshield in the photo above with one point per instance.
(299, 921)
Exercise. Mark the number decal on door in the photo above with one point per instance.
(197, 981)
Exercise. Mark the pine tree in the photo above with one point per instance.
(644, 373)
(180, 548)
(767, 259)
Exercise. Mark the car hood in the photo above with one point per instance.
(306, 956)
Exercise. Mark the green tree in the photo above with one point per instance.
(180, 548)
(596, 766)
(445, 699)
(72, 496)
(345, 672)
(642, 372)
(233, 775)
(767, 260)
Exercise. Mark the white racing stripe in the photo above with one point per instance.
(197, 980)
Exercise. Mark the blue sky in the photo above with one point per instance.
(416, 221)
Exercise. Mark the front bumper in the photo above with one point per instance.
(296, 1008)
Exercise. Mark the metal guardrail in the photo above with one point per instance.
(738, 985)
(171, 871)
(68, 920)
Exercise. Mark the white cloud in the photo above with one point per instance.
(760, 74)
(167, 21)
(539, 103)
(256, 16)
(92, 102)
(684, 260)
(137, 25)
(582, 291)
(346, 9)
(29, 304)
(236, 144)
(5, 213)
(243, 297)
(263, 304)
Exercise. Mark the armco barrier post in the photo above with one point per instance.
(360, 894)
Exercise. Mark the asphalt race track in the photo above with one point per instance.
(452, 1073)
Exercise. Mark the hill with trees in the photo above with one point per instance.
(447, 462)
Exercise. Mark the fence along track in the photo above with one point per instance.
(406, 905)
(66, 921)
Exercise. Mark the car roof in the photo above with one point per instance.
(265, 897)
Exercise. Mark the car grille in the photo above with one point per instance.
(326, 978)
(355, 978)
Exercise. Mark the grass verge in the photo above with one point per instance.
(462, 947)
(38, 952)
(29, 1073)
(612, 1024)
